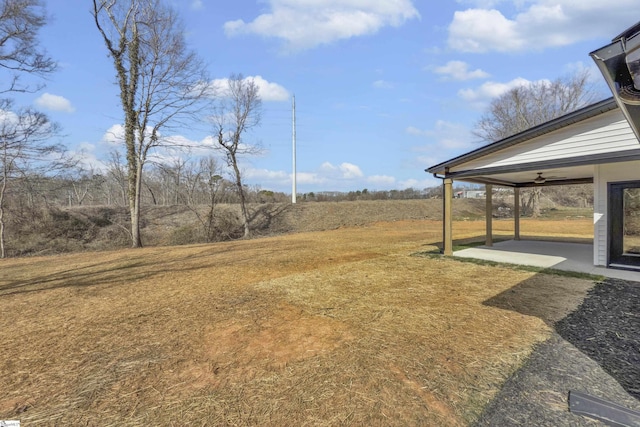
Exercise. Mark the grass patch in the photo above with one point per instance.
(319, 328)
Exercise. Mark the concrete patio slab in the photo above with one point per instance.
(558, 255)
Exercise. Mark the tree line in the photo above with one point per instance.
(195, 182)
(163, 87)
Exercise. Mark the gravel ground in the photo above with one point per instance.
(595, 350)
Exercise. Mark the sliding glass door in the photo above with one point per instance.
(624, 224)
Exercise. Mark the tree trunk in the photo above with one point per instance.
(242, 196)
(134, 200)
(534, 202)
(3, 190)
(2, 193)
(153, 196)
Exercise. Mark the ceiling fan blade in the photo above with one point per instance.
(540, 179)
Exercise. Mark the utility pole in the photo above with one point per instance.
(294, 189)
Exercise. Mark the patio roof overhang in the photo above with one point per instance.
(577, 170)
(557, 171)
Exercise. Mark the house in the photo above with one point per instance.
(470, 194)
(597, 144)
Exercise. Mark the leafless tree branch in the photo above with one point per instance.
(162, 83)
(20, 21)
(526, 106)
(238, 112)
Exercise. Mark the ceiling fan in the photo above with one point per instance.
(541, 179)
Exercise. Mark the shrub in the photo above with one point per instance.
(185, 235)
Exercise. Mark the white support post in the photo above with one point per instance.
(489, 214)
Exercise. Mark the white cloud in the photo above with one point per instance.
(85, 155)
(8, 117)
(114, 135)
(479, 30)
(265, 175)
(19, 122)
(309, 178)
(538, 24)
(479, 97)
(484, 4)
(329, 177)
(172, 145)
(165, 156)
(179, 141)
(268, 91)
(207, 142)
(459, 70)
(343, 171)
(271, 91)
(350, 171)
(416, 132)
(197, 4)
(54, 103)
(305, 24)
(383, 84)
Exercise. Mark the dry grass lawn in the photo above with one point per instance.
(323, 328)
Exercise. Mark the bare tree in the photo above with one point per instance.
(117, 174)
(24, 133)
(204, 177)
(24, 147)
(172, 171)
(526, 106)
(20, 21)
(162, 83)
(194, 175)
(530, 201)
(84, 185)
(238, 112)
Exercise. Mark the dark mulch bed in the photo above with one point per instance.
(606, 328)
(596, 350)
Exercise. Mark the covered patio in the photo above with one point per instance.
(545, 254)
(593, 145)
(597, 144)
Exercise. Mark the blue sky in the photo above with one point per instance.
(384, 88)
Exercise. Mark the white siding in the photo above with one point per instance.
(603, 175)
(606, 133)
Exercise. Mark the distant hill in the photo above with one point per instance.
(58, 230)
